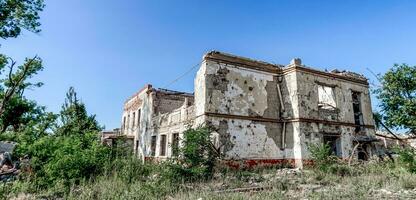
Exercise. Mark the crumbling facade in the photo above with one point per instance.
(262, 113)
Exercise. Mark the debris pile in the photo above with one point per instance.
(349, 74)
(8, 169)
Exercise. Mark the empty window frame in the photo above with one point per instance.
(153, 146)
(128, 121)
(326, 97)
(124, 123)
(138, 118)
(333, 142)
(362, 152)
(356, 107)
(137, 144)
(162, 147)
(134, 119)
(175, 144)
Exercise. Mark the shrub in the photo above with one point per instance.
(129, 169)
(198, 156)
(322, 156)
(407, 157)
(67, 159)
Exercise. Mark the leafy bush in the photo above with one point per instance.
(71, 154)
(322, 156)
(73, 159)
(129, 168)
(407, 157)
(198, 156)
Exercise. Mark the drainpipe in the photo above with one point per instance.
(282, 111)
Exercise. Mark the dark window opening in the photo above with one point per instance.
(362, 152)
(124, 123)
(333, 143)
(138, 118)
(128, 122)
(153, 146)
(356, 106)
(175, 144)
(162, 145)
(134, 119)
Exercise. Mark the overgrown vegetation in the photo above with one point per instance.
(407, 157)
(75, 159)
(67, 155)
(322, 156)
(198, 156)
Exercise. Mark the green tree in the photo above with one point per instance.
(74, 118)
(13, 105)
(397, 96)
(16, 15)
(73, 152)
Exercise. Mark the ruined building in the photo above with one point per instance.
(262, 113)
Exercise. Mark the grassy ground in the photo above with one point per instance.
(374, 181)
(362, 181)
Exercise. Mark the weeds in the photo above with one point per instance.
(407, 156)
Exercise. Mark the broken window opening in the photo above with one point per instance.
(356, 106)
(334, 144)
(128, 121)
(138, 118)
(153, 146)
(124, 123)
(137, 144)
(326, 97)
(134, 119)
(162, 145)
(175, 144)
(362, 152)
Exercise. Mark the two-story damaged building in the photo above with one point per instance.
(262, 113)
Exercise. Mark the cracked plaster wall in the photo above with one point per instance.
(235, 91)
(308, 108)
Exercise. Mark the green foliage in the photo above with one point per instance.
(407, 156)
(322, 156)
(67, 159)
(129, 168)
(398, 97)
(18, 113)
(198, 156)
(377, 120)
(15, 109)
(16, 15)
(74, 117)
(73, 153)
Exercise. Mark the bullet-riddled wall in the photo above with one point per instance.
(272, 112)
(261, 113)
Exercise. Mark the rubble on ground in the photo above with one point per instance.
(9, 169)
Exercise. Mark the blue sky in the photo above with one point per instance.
(108, 50)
